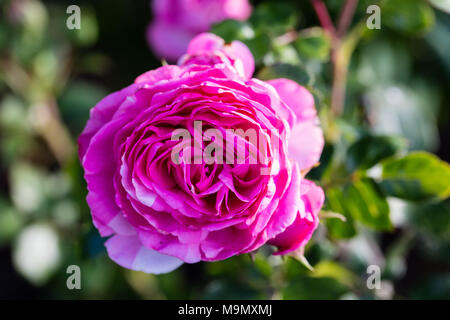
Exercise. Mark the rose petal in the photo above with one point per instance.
(299, 232)
(160, 74)
(205, 43)
(298, 98)
(101, 114)
(306, 144)
(170, 245)
(243, 53)
(131, 254)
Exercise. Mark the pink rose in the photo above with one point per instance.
(160, 212)
(176, 22)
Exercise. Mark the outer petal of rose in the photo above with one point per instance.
(298, 98)
(170, 245)
(131, 254)
(99, 169)
(288, 206)
(306, 141)
(101, 114)
(96, 148)
(205, 43)
(242, 52)
(279, 214)
(306, 144)
(162, 73)
(299, 233)
(237, 51)
(168, 41)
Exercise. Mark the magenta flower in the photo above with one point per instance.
(160, 212)
(176, 22)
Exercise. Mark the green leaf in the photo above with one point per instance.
(358, 201)
(283, 54)
(432, 219)
(314, 43)
(367, 205)
(308, 286)
(326, 157)
(334, 270)
(284, 70)
(443, 5)
(417, 176)
(259, 45)
(336, 228)
(274, 18)
(407, 16)
(231, 30)
(369, 150)
(328, 281)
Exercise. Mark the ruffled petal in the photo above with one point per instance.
(99, 168)
(244, 55)
(128, 252)
(101, 114)
(306, 144)
(297, 97)
(208, 45)
(299, 232)
(306, 141)
(162, 73)
(205, 43)
(170, 245)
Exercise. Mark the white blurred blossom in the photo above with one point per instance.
(37, 252)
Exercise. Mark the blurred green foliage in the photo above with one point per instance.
(393, 197)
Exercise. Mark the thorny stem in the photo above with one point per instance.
(339, 78)
(341, 53)
(324, 16)
(346, 17)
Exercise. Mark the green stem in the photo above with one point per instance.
(342, 49)
(342, 53)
